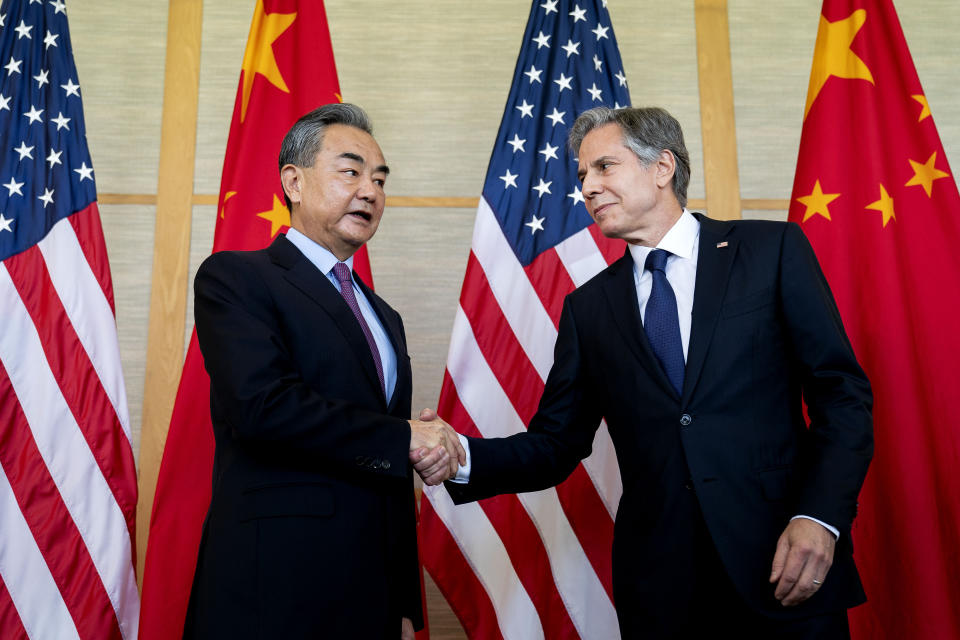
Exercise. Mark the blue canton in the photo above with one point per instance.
(45, 167)
(569, 62)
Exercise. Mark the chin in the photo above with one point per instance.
(609, 230)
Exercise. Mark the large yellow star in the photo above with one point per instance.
(817, 202)
(925, 112)
(278, 216)
(258, 58)
(226, 196)
(924, 174)
(832, 55)
(884, 205)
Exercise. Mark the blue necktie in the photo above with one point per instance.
(661, 321)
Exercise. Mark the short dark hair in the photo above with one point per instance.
(646, 131)
(303, 141)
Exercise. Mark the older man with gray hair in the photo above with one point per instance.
(311, 531)
(700, 347)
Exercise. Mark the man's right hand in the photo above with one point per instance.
(435, 448)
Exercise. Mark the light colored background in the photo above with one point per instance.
(434, 76)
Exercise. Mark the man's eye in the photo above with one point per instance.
(352, 172)
(380, 182)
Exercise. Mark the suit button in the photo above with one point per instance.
(385, 465)
(685, 420)
(359, 460)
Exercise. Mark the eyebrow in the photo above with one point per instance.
(359, 159)
(601, 160)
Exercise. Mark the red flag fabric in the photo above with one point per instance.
(68, 482)
(288, 69)
(875, 195)
(533, 565)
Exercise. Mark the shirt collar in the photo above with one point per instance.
(679, 240)
(321, 257)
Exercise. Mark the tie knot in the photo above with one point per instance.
(342, 271)
(656, 260)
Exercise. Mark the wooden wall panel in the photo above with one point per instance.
(721, 175)
(171, 246)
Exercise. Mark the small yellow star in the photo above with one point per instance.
(884, 205)
(226, 196)
(925, 112)
(832, 55)
(924, 174)
(817, 202)
(278, 216)
(258, 58)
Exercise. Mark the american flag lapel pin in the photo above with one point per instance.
(721, 245)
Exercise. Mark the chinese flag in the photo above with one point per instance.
(876, 196)
(288, 70)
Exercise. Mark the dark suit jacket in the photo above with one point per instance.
(734, 447)
(311, 531)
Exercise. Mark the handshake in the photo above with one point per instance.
(435, 449)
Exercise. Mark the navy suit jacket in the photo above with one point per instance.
(734, 447)
(311, 530)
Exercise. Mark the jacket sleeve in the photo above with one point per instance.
(257, 387)
(839, 443)
(559, 436)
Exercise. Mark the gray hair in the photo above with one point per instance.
(646, 131)
(303, 141)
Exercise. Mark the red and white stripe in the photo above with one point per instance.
(533, 565)
(67, 475)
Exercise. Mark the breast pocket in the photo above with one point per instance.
(748, 304)
(286, 501)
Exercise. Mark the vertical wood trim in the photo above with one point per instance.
(171, 249)
(720, 171)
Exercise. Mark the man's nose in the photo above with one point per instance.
(367, 189)
(590, 187)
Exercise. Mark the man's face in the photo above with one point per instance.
(338, 202)
(625, 198)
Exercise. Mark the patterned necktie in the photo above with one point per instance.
(661, 321)
(342, 271)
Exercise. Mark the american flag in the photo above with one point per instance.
(534, 565)
(67, 476)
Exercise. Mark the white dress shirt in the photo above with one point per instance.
(682, 241)
(323, 260)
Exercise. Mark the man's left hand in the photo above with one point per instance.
(406, 629)
(804, 555)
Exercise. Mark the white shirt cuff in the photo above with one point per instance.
(836, 534)
(463, 473)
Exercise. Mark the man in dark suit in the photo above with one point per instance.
(699, 347)
(311, 528)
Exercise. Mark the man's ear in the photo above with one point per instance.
(291, 178)
(666, 167)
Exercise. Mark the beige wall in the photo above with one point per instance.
(434, 76)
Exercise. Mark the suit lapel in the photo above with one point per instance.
(714, 258)
(303, 275)
(620, 290)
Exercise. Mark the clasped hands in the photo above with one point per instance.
(435, 449)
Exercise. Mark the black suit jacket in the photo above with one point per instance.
(311, 530)
(734, 448)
